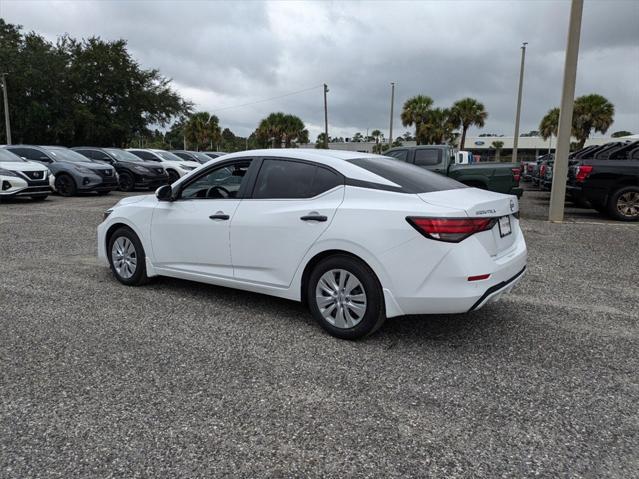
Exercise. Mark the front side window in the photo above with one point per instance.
(220, 183)
(283, 179)
(145, 155)
(168, 156)
(427, 157)
(30, 154)
(122, 155)
(409, 178)
(184, 156)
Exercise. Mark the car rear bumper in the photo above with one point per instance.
(424, 285)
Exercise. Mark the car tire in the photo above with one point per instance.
(123, 249)
(337, 304)
(39, 197)
(126, 181)
(173, 176)
(623, 204)
(65, 185)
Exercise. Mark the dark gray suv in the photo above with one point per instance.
(73, 172)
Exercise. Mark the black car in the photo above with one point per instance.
(198, 156)
(133, 172)
(610, 186)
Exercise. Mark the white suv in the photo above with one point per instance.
(20, 177)
(175, 166)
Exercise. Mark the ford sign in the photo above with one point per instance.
(479, 143)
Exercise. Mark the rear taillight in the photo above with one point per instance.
(451, 230)
(542, 170)
(516, 174)
(583, 172)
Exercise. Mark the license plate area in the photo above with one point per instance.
(505, 227)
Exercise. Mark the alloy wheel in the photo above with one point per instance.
(341, 298)
(124, 257)
(628, 204)
(63, 185)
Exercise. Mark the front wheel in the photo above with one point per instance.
(624, 204)
(65, 185)
(127, 258)
(127, 183)
(345, 297)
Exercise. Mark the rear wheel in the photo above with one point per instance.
(345, 297)
(127, 183)
(624, 204)
(65, 185)
(127, 258)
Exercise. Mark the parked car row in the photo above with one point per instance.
(34, 171)
(604, 177)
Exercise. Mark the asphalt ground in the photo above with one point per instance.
(179, 379)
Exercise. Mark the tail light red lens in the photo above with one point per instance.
(542, 170)
(451, 230)
(583, 172)
(516, 174)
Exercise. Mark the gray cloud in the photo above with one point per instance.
(222, 54)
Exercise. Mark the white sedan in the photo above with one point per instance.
(357, 237)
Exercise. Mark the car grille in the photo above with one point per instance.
(35, 175)
(104, 173)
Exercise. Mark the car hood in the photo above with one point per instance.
(129, 200)
(92, 165)
(474, 201)
(23, 166)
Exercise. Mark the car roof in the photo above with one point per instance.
(335, 159)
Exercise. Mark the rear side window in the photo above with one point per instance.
(409, 178)
(145, 155)
(427, 157)
(29, 153)
(281, 179)
(399, 154)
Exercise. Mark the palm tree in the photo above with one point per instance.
(377, 135)
(202, 129)
(415, 112)
(466, 113)
(321, 142)
(592, 112)
(437, 127)
(279, 129)
(549, 124)
(497, 145)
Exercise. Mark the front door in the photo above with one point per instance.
(191, 234)
(292, 204)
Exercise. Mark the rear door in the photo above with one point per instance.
(292, 203)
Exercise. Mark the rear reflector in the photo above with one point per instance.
(451, 230)
(479, 277)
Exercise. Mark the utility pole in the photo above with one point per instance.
(184, 142)
(325, 117)
(521, 85)
(560, 168)
(390, 132)
(6, 107)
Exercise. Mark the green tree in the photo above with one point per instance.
(437, 128)
(320, 143)
(592, 112)
(497, 145)
(81, 91)
(281, 129)
(202, 131)
(549, 124)
(415, 112)
(357, 137)
(619, 134)
(466, 113)
(377, 135)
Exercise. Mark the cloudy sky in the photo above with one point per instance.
(224, 55)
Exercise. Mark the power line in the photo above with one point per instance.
(267, 99)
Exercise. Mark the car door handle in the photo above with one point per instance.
(219, 216)
(314, 217)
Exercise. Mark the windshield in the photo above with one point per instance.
(7, 157)
(123, 155)
(410, 178)
(62, 154)
(168, 156)
(202, 157)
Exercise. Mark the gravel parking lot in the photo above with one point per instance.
(180, 379)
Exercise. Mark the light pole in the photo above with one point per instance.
(325, 117)
(6, 107)
(390, 133)
(560, 168)
(521, 86)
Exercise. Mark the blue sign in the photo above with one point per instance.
(479, 143)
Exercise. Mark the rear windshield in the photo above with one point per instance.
(410, 178)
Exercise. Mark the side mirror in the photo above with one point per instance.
(164, 193)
